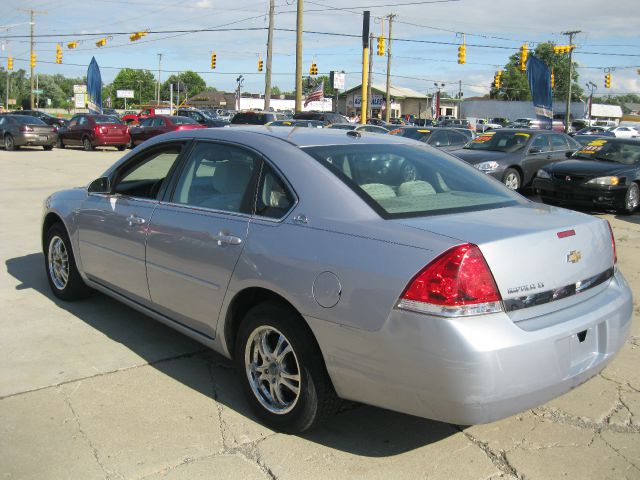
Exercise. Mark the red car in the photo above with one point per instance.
(152, 126)
(134, 118)
(91, 131)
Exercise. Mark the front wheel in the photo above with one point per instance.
(631, 200)
(59, 143)
(511, 179)
(47, 147)
(63, 276)
(86, 144)
(283, 374)
(121, 147)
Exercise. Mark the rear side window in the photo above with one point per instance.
(412, 180)
(274, 198)
(559, 142)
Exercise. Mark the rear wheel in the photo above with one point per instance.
(9, 143)
(131, 144)
(283, 374)
(86, 144)
(631, 200)
(60, 143)
(47, 147)
(121, 147)
(63, 276)
(511, 179)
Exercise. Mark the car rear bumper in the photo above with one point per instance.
(111, 140)
(477, 369)
(36, 139)
(580, 195)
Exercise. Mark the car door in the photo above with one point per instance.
(68, 132)
(113, 227)
(198, 233)
(535, 156)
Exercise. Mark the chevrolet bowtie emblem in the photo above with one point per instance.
(574, 256)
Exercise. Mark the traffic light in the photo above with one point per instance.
(314, 69)
(33, 60)
(72, 45)
(9, 63)
(137, 36)
(58, 53)
(524, 53)
(381, 42)
(497, 79)
(213, 61)
(260, 64)
(462, 54)
(560, 49)
(607, 80)
(101, 43)
(553, 80)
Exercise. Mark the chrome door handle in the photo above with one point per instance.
(134, 220)
(224, 239)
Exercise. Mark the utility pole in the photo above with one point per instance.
(567, 114)
(299, 56)
(592, 86)
(159, 67)
(387, 112)
(370, 80)
(364, 105)
(267, 77)
(459, 98)
(32, 22)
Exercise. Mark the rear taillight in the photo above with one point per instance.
(99, 129)
(458, 283)
(613, 244)
(26, 128)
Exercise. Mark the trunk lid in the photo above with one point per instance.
(528, 257)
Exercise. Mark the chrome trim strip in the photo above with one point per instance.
(541, 298)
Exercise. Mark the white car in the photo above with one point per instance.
(625, 132)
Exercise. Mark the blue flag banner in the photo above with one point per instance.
(94, 87)
(539, 78)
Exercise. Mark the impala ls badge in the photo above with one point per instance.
(574, 256)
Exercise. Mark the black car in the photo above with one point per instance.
(605, 173)
(514, 156)
(447, 139)
(251, 117)
(45, 117)
(328, 118)
(201, 117)
(584, 139)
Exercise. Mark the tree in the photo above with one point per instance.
(190, 84)
(142, 82)
(514, 83)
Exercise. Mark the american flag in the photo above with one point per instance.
(317, 94)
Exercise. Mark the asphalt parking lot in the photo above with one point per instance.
(95, 390)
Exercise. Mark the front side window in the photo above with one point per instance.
(145, 122)
(83, 121)
(144, 177)
(541, 142)
(218, 177)
(411, 180)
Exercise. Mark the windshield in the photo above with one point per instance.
(413, 133)
(499, 141)
(102, 119)
(182, 121)
(412, 180)
(604, 150)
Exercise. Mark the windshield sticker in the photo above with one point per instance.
(424, 131)
(523, 134)
(593, 147)
(485, 137)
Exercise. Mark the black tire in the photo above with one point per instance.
(47, 147)
(60, 143)
(121, 147)
(631, 200)
(512, 179)
(316, 400)
(9, 143)
(74, 288)
(87, 145)
(131, 145)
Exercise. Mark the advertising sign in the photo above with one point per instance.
(375, 101)
(78, 100)
(337, 80)
(124, 93)
(79, 89)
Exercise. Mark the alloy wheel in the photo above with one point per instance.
(272, 369)
(8, 142)
(58, 262)
(632, 198)
(512, 181)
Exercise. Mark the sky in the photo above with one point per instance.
(424, 52)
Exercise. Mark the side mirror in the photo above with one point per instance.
(100, 185)
(535, 150)
(569, 153)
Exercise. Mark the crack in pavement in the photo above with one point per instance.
(498, 459)
(630, 462)
(559, 416)
(102, 374)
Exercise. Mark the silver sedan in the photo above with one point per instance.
(345, 265)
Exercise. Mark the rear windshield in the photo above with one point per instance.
(27, 120)
(407, 181)
(499, 141)
(342, 126)
(250, 118)
(413, 133)
(102, 119)
(182, 120)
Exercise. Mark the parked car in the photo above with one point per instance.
(45, 117)
(625, 132)
(605, 173)
(591, 131)
(328, 118)
(514, 156)
(111, 111)
(584, 139)
(295, 253)
(440, 137)
(457, 123)
(147, 111)
(424, 122)
(91, 131)
(296, 123)
(202, 118)
(484, 125)
(502, 121)
(151, 126)
(359, 128)
(251, 117)
(22, 130)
